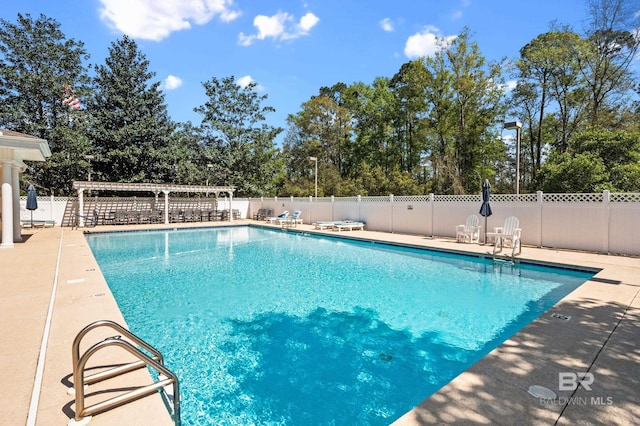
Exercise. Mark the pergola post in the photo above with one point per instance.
(230, 206)
(80, 207)
(166, 207)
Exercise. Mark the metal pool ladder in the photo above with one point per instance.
(153, 360)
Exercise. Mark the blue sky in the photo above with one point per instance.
(291, 48)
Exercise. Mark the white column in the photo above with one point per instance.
(15, 179)
(81, 207)
(230, 205)
(166, 207)
(7, 206)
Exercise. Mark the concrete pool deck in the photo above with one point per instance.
(600, 338)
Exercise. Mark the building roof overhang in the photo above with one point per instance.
(19, 147)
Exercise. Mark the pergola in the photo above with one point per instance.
(156, 188)
(15, 148)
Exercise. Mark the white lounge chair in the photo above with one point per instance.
(294, 219)
(37, 223)
(325, 224)
(469, 232)
(508, 235)
(281, 216)
(349, 225)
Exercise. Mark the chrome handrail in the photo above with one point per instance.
(154, 361)
(75, 351)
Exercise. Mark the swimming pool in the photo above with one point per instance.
(270, 327)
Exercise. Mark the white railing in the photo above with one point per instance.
(601, 222)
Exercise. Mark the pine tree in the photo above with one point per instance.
(130, 127)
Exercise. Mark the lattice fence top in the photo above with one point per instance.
(410, 198)
(348, 199)
(381, 199)
(573, 198)
(513, 198)
(475, 198)
(470, 198)
(625, 197)
(45, 198)
(598, 197)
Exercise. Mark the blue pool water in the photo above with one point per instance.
(279, 328)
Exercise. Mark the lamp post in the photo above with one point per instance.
(209, 167)
(316, 174)
(89, 158)
(517, 126)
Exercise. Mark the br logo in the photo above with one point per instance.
(568, 381)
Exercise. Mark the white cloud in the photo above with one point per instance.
(279, 27)
(172, 82)
(386, 25)
(244, 81)
(510, 85)
(426, 43)
(157, 19)
(247, 80)
(456, 15)
(308, 21)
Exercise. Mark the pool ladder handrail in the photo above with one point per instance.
(156, 361)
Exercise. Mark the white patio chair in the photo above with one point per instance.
(281, 216)
(469, 232)
(508, 235)
(349, 225)
(294, 219)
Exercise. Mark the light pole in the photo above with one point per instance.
(316, 174)
(89, 158)
(209, 167)
(517, 126)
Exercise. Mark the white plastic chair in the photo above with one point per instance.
(281, 216)
(508, 235)
(293, 219)
(470, 232)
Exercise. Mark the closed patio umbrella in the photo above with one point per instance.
(32, 201)
(485, 209)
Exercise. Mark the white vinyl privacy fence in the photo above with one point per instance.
(49, 208)
(601, 222)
